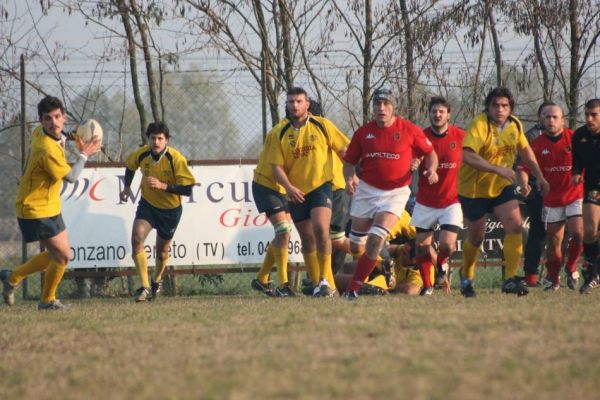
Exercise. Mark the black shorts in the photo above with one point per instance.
(339, 211)
(165, 221)
(267, 200)
(591, 195)
(474, 209)
(320, 197)
(34, 230)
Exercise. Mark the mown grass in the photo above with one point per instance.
(247, 347)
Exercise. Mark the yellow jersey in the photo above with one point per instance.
(263, 173)
(403, 228)
(496, 147)
(170, 168)
(39, 187)
(306, 153)
(338, 182)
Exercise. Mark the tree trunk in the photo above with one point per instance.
(410, 68)
(367, 61)
(496, 42)
(286, 44)
(131, 47)
(143, 30)
(573, 97)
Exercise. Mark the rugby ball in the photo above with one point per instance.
(90, 129)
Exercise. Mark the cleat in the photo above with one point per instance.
(368, 289)
(550, 286)
(516, 286)
(8, 290)
(267, 289)
(325, 290)
(351, 296)
(441, 275)
(572, 280)
(155, 288)
(307, 287)
(426, 291)
(53, 305)
(142, 294)
(590, 278)
(284, 291)
(316, 291)
(466, 288)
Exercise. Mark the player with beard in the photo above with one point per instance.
(553, 150)
(437, 203)
(586, 169)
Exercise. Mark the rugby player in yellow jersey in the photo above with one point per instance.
(166, 177)
(38, 203)
(302, 162)
(270, 198)
(486, 185)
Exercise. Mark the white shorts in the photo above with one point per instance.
(428, 217)
(369, 200)
(551, 215)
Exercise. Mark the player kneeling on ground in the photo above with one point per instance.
(166, 177)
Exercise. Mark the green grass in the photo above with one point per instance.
(246, 347)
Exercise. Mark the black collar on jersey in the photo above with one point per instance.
(166, 153)
(436, 134)
(156, 156)
(555, 138)
(51, 136)
(311, 120)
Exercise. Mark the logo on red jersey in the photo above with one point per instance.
(397, 136)
(568, 149)
(545, 152)
(370, 136)
(452, 145)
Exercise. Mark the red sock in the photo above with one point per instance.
(553, 265)
(442, 258)
(574, 251)
(530, 279)
(364, 266)
(425, 266)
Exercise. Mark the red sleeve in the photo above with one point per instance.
(421, 145)
(353, 152)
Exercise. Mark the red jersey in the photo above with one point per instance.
(448, 147)
(384, 154)
(555, 158)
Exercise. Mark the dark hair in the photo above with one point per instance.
(315, 108)
(593, 103)
(435, 100)
(156, 128)
(545, 104)
(49, 104)
(297, 90)
(499, 92)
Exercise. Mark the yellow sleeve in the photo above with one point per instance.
(131, 162)
(521, 138)
(338, 141)
(274, 151)
(473, 138)
(183, 175)
(56, 165)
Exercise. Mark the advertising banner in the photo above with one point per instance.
(220, 223)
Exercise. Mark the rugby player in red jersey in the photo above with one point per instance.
(438, 203)
(563, 203)
(382, 151)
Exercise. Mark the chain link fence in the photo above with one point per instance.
(210, 119)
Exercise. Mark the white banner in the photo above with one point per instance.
(220, 223)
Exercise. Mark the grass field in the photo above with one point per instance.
(245, 347)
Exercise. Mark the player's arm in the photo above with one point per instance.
(295, 195)
(523, 180)
(350, 177)
(530, 162)
(126, 192)
(85, 150)
(431, 165)
(474, 160)
(577, 166)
